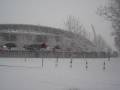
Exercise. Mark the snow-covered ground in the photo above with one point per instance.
(33, 74)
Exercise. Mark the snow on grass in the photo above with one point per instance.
(53, 74)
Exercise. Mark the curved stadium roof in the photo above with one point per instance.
(46, 30)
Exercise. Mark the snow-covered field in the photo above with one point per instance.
(81, 74)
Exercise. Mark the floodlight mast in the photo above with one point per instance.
(94, 33)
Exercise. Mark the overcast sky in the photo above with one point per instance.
(54, 13)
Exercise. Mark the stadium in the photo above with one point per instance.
(24, 34)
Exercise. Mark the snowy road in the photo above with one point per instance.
(81, 74)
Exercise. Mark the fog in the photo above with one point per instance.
(54, 13)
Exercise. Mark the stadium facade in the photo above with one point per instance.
(24, 34)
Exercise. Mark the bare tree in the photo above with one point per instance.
(79, 35)
(101, 44)
(99, 41)
(73, 25)
(112, 13)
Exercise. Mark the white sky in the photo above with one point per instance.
(54, 13)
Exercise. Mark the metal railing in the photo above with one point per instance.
(53, 54)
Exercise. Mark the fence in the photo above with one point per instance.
(51, 54)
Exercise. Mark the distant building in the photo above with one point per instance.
(23, 34)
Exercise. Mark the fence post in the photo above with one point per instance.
(109, 56)
(42, 58)
(56, 54)
(71, 60)
(42, 62)
(86, 65)
(56, 62)
(104, 65)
